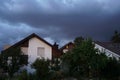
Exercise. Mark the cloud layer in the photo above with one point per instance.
(58, 20)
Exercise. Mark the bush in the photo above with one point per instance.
(42, 68)
(112, 70)
(23, 75)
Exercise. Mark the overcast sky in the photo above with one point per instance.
(58, 20)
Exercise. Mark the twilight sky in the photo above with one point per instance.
(58, 20)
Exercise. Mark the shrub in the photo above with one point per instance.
(42, 68)
(23, 75)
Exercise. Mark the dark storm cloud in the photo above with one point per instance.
(58, 19)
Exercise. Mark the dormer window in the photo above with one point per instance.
(67, 47)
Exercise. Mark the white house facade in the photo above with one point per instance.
(109, 49)
(35, 47)
(38, 49)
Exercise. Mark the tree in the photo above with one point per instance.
(78, 40)
(116, 37)
(112, 70)
(84, 59)
(12, 59)
(47, 70)
(42, 68)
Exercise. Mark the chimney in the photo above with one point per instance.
(55, 45)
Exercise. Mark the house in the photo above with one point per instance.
(67, 47)
(35, 47)
(111, 49)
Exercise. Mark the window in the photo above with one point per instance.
(9, 60)
(67, 47)
(24, 50)
(40, 51)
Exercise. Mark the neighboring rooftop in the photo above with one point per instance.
(68, 46)
(114, 47)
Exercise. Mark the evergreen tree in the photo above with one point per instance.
(116, 37)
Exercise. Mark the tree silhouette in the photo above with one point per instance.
(116, 37)
(11, 60)
(84, 60)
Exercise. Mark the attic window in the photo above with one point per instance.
(40, 52)
(66, 47)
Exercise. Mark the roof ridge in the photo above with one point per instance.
(27, 38)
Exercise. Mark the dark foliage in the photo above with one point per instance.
(86, 61)
(116, 37)
(112, 69)
(42, 68)
(12, 60)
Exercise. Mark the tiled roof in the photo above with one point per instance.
(114, 47)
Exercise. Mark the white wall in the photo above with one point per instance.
(34, 43)
(107, 52)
